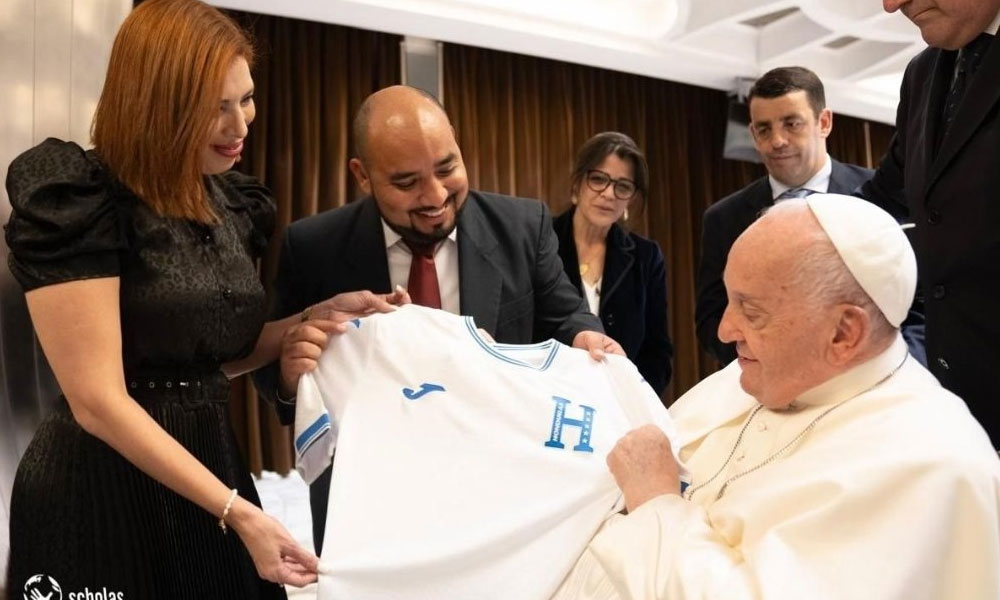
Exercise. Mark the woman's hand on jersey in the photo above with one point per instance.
(352, 305)
(277, 556)
(597, 344)
(302, 343)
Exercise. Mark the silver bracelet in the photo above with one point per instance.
(225, 511)
(289, 401)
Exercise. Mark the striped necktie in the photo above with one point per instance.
(794, 193)
(966, 66)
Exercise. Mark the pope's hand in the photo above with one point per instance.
(643, 466)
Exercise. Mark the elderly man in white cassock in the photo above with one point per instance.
(826, 462)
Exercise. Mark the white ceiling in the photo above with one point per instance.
(858, 50)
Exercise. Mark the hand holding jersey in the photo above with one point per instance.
(597, 344)
(464, 469)
(643, 465)
(302, 344)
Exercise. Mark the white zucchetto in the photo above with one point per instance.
(873, 246)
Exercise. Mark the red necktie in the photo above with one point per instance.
(423, 284)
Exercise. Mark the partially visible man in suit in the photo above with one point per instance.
(789, 122)
(489, 256)
(943, 166)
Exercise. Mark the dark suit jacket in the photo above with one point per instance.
(633, 303)
(724, 221)
(950, 191)
(510, 277)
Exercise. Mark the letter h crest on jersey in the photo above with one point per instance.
(559, 421)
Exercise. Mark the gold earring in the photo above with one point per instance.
(625, 216)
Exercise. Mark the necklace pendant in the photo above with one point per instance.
(722, 491)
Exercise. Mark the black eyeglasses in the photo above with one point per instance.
(599, 181)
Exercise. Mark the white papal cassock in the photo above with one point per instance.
(892, 495)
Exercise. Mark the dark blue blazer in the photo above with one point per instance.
(633, 303)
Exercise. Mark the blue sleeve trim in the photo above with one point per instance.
(308, 437)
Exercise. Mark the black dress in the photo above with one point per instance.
(190, 300)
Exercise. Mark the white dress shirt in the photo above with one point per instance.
(592, 291)
(819, 183)
(445, 263)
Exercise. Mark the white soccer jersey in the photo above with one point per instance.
(465, 469)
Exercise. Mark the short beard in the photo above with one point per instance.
(419, 238)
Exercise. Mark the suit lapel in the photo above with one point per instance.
(761, 196)
(940, 83)
(618, 259)
(837, 183)
(563, 226)
(980, 98)
(480, 279)
(367, 263)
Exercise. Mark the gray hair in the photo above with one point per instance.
(821, 274)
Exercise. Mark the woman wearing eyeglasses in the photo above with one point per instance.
(620, 273)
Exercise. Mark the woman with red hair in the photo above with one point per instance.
(138, 263)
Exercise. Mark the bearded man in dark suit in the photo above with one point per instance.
(468, 252)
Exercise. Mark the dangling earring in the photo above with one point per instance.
(574, 199)
(625, 215)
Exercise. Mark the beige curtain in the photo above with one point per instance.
(310, 79)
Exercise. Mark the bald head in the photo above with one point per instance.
(781, 235)
(394, 108)
(786, 236)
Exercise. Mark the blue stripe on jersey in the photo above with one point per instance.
(312, 433)
(309, 444)
(495, 350)
(517, 347)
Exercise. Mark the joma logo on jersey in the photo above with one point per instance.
(559, 421)
(425, 388)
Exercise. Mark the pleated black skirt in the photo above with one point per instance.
(87, 518)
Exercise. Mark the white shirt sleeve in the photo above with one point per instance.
(323, 395)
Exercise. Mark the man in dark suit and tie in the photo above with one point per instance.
(489, 256)
(943, 166)
(789, 122)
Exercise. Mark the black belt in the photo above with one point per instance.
(191, 388)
